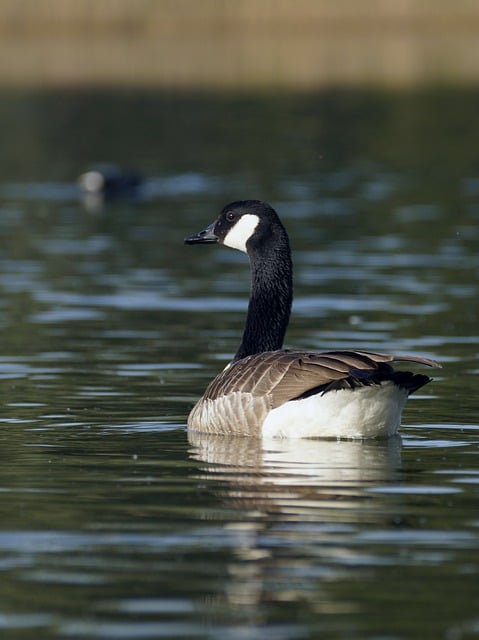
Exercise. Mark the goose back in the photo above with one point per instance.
(240, 398)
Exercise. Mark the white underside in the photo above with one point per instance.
(366, 412)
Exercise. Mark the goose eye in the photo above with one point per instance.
(230, 216)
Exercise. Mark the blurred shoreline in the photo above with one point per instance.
(269, 44)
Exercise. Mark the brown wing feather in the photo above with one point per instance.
(287, 374)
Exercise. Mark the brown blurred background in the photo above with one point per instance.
(240, 44)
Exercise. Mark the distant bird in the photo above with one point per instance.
(268, 391)
(109, 181)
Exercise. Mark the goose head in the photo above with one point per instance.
(253, 226)
(246, 225)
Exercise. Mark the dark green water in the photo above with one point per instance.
(113, 522)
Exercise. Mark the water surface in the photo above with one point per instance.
(115, 523)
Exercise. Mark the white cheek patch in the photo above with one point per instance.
(238, 236)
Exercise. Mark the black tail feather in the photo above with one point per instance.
(411, 382)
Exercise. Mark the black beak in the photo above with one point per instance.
(207, 236)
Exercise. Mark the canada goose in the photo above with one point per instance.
(267, 391)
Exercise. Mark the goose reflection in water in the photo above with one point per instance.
(298, 505)
(331, 464)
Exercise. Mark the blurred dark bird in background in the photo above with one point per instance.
(110, 181)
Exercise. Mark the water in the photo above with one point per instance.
(115, 523)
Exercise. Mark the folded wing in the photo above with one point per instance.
(292, 374)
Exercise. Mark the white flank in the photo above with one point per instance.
(238, 236)
(367, 412)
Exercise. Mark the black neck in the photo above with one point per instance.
(270, 299)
